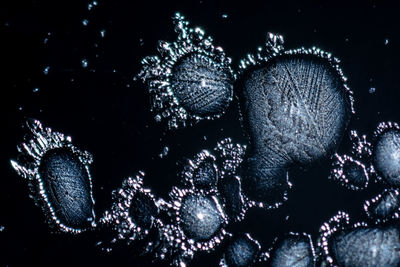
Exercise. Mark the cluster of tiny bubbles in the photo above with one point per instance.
(273, 88)
(386, 153)
(349, 172)
(383, 207)
(192, 79)
(134, 212)
(47, 160)
(241, 251)
(294, 250)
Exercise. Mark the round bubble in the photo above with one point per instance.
(386, 156)
(355, 173)
(200, 217)
(201, 86)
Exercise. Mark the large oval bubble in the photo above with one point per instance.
(295, 107)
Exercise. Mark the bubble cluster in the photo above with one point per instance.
(191, 81)
(295, 106)
(58, 176)
(134, 211)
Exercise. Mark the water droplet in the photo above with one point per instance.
(46, 70)
(241, 251)
(84, 63)
(85, 22)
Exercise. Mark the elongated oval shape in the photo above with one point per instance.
(366, 247)
(66, 187)
(384, 206)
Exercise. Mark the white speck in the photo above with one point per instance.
(84, 63)
(2, 228)
(224, 16)
(141, 42)
(46, 70)
(203, 83)
(164, 152)
(20, 108)
(386, 41)
(45, 40)
(35, 90)
(200, 216)
(91, 5)
(102, 33)
(372, 90)
(85, 22)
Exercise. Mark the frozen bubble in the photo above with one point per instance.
(386, 153)
(36, 89)
(143, 210)
(191, 80)
(241, 251)
(366, 246)
(200, 217)
(206, 174)
(372, 90)
(295, 107)
(59, 178)
(384, 206)
(201, 86)
(224, 16)
(85, 22)
(296, 250)
(233, 200)
(103, 33)
(350, 173)
(66, 183)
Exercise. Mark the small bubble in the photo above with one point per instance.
(45, 40)
(35, 90)
(102, 33)
(20, 108)
(6, 24)
(2, 228)
(224, 16)
(46, 70)
(372, 90)
(84, 63)
(141, 42)
(85, 22)
(91, 5)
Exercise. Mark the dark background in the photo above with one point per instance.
(107, 113)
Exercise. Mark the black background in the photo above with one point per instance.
(107, 113)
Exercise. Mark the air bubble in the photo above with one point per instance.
(46, 70)
(84, 63)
